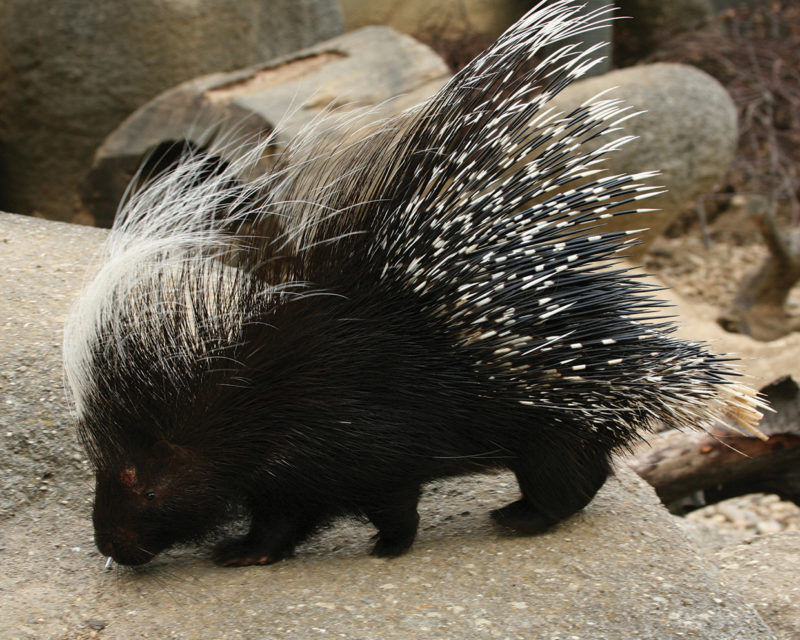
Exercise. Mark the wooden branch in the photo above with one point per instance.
(692, 469)
(759, 308)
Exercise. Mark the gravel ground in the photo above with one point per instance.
(709, 274)
(752, 514)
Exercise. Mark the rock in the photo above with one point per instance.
(620, 569)
(688, 133)
(453, 20)
(71, 70)
(458, 29)
(372, 67)
(768, 526)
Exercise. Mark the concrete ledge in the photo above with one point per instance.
(620, 570)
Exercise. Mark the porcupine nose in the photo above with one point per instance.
(123, 548)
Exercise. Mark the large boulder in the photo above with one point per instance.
(687, 132)
(71, 70)
(374, 67)
(453, 20)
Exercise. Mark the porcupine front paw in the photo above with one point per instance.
(244, 551)
(272, 537)
(391, 547)
(397, 520)
(523, 517)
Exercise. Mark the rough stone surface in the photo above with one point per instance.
(761, 569)
(374, 67)
(619, 570)
(688, 133)
(71, 70)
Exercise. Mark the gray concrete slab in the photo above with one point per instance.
(620, 570)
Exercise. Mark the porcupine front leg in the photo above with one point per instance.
(272, 537)
(396, 519)
(555, 482)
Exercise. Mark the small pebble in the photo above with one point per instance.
(768, 526)
(97, 625)
(752, 514)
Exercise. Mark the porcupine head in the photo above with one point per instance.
(427, 296)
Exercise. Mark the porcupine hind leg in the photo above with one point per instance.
(272, 537)
(396, 519)
(555, 483)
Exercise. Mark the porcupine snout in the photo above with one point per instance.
(123, 545)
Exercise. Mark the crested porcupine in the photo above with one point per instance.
(428, 299)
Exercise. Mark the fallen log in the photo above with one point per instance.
(692, 469)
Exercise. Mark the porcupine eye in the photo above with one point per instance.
(150, 495)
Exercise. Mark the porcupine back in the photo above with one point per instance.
(433, 288)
